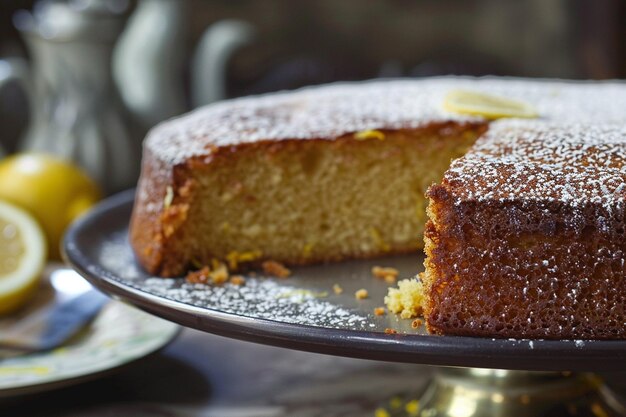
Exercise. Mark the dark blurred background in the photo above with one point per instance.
(299, 43)
(314, 41)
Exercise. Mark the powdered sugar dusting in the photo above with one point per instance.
(259, 298)
(576, 164)
(334, 110)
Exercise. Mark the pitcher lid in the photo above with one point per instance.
(74, 19)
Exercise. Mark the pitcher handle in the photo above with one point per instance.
(15, 69)
(212, 55)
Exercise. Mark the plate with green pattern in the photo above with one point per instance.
(118, 336)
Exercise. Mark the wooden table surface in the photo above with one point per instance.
(210, 376)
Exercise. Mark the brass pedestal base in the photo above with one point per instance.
(486, 393)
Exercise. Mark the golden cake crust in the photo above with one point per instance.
(526, 237)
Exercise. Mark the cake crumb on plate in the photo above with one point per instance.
(361, 294)
(275, 269)
(390, 275)
(406, 300)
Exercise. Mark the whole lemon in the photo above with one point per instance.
(54, 191)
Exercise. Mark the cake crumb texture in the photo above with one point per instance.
(406, 300)
(298, 202)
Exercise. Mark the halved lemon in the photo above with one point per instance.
(486, 105)
(22, 256)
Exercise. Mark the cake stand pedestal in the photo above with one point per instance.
(476, 392)
(294, 314)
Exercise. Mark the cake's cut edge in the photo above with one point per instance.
(212, 198)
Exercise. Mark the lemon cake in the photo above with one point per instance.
(340, 171)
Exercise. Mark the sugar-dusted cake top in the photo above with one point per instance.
(334, 110)
(575, 163)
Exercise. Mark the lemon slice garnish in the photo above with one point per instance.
(486, 105)
(22, 256)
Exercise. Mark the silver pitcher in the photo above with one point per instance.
(75, 110)
(96, 84)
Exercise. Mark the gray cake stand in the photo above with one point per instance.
(476, 376)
